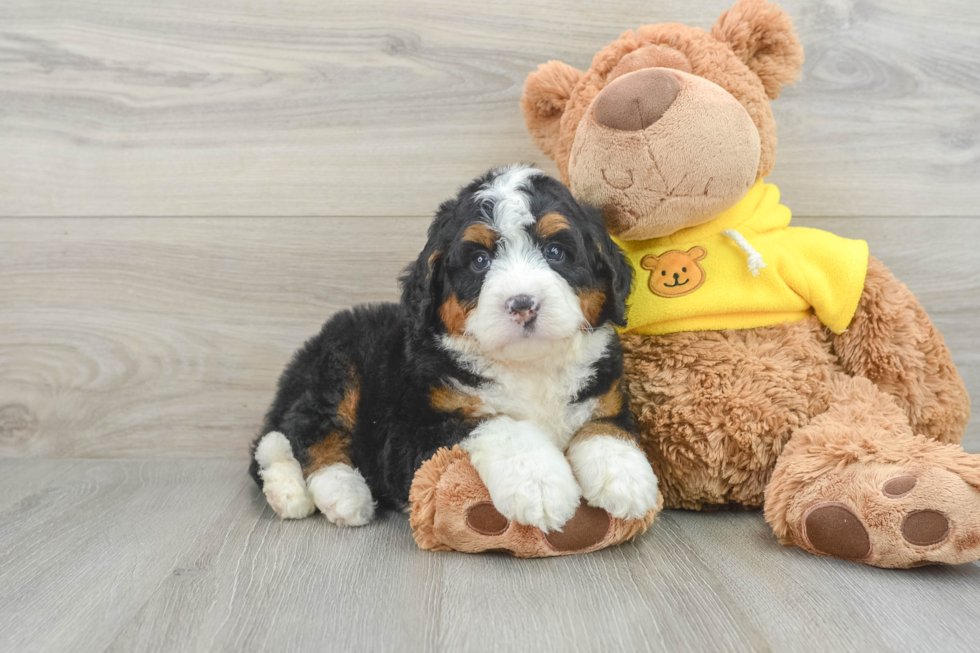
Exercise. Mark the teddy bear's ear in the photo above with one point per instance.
(761, 34)
(546, 92)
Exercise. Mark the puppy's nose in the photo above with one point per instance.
(522, 308)
(676, 276)
(636, 100)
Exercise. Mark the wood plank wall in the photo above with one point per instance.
(188, 189)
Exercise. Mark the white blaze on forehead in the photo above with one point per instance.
(507, 192)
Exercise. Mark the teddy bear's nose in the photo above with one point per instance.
(637, 100)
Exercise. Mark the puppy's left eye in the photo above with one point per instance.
(554, 253)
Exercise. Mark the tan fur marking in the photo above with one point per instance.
(333, 449)
(592, 302)
(550, 224)
(481, 234)
(596, 428)
(448, 400)
(454, 315)
(347, 410)
(610, 403)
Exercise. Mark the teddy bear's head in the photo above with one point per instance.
(671, 125)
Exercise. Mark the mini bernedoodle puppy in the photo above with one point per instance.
(503, 343)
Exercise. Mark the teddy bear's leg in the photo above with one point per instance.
(856, 483)
(451, 510)
(892, 342)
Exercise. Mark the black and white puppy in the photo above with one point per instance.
(503, 343)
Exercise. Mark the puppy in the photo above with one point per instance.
(503, 343)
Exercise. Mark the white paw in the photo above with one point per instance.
(286, 492)
(342, 494)
(536, 489)
(528, 478)
(615, 476)
(282, 477)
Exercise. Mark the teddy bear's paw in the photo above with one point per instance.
(342, 494)
(614, 475)
(895, 517)
(536, 489)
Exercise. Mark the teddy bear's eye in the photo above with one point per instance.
(663, 273)
(683, 269)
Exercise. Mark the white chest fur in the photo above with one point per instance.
(540, 391)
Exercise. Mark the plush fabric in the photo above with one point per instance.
(845, 423)
(805, 271)
(638, 175)
(451, 510)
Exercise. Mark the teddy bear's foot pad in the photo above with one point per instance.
(485, 519)
(587, 527)
(909, 520)
(834, 530)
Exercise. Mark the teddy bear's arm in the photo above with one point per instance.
(827, 271)
(892, 342)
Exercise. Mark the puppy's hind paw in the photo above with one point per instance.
(342, 494)
(288, 497)
(282, 477)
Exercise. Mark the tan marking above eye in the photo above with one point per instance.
(550, 224)
(481, 234)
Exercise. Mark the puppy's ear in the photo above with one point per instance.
(615, 270)
(761, 34)
(546, 92)
(422, 281)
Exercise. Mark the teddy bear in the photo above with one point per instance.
(768, 366)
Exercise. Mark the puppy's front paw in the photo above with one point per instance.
(537, 489)
(615, 476)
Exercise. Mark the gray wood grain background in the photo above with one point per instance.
(187, 190)
(177, 107)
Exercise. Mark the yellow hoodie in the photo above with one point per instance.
(744, 269)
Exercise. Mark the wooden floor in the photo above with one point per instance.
(187, 190)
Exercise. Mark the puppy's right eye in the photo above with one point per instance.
(480, 262)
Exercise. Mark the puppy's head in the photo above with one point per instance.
(513, 267)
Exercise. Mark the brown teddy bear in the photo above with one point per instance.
(767, 364)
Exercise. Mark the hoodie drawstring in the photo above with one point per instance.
(755, 258)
